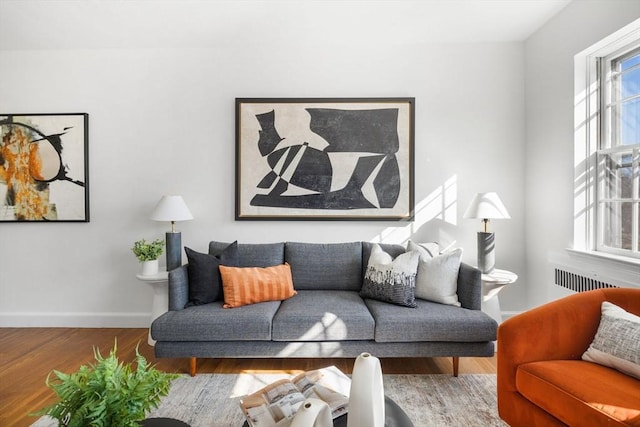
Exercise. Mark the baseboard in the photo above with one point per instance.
(74, 320)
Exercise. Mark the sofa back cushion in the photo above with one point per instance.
(332, 266)
(253, 254)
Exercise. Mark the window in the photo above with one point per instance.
(606, 196)
(618, 152)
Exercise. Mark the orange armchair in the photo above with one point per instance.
(542, 380)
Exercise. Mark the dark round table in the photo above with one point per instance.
(163, 422)
(394, 416)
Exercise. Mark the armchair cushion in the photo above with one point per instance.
(580, 393)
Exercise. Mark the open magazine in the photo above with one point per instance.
(276, 404)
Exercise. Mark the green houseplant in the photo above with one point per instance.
(148, 251)
(148, 254)
(107, 393)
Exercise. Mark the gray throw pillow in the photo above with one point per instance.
(437, 278)
(617, 341)
(205, 284)
(391, 280)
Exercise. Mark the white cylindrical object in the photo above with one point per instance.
(150, 268)
(313, 413)
(366, 398)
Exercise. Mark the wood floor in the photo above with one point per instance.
(27, 355)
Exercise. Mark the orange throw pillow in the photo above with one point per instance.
(250, 285)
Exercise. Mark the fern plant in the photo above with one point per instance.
(107, 393)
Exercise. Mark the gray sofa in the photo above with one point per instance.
(327, 317)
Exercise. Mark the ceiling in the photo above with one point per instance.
(77, 24)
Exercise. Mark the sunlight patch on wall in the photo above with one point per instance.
(440, 205)
(585, 128)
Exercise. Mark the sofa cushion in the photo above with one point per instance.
(617, 341)
(319, 266)
(437, 278)
(391, 280)
(430, 321)
(211, 322)
(323, 316)
(254, 254)
(205, 285)
(251, 285)
(581, 393)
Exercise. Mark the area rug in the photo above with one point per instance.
(212, 400)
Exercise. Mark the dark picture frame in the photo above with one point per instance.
(325, 159)
(44, 167)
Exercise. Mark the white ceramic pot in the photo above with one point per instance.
(366, 398)
(149, 268)
(313, 413)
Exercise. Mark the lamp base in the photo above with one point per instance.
(486, 252)
(174, 250)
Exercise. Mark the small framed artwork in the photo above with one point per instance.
(44, 167)
(325, 159)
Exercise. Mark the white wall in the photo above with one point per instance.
(161, 121)
(549, 182)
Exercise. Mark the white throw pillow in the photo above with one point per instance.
(617, 341)
(437, 278)
(427, 250)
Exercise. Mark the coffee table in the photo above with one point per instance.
(394, 416)
(163, 422)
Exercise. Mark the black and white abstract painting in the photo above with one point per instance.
(324, 159)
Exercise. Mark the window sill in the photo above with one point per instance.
(615, 269)
(625, 262)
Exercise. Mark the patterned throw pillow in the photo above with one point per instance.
(437, 278)
(617, 342)
(391, 280)
(250, 285)
(205, 285)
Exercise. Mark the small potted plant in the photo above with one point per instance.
(107, 393)
(148, 254)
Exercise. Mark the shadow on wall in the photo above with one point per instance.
(435, 219)
(584, 168)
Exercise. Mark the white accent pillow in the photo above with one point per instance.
(617, 341)
(437, 278)
(428, 250)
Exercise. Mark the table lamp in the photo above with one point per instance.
(172, 208)
(486, 206)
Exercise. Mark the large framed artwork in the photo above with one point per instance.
(325, 159)
(44, 167)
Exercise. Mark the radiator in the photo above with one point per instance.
(578, 282)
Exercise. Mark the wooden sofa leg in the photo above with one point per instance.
(456, 363)
(193, 366)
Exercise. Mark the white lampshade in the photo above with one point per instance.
(486, 206)
(171, 208)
